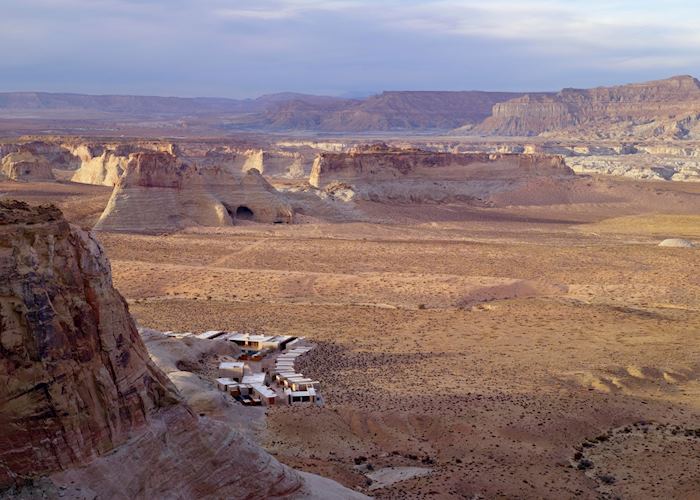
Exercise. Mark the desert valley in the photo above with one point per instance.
(491, 295)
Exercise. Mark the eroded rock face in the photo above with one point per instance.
(99, 165)
(379, 173)
(158, 192)
(103, 164)
(26, 166)
(665, 108)
(75, 377)
(639, 166)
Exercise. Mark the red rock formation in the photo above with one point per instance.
(75, 377)
(368, 165)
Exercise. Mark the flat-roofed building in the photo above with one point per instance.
(254, 379)
(266, 395)
(259, 342)
(308, 396)
(280, 367)
(232, 369)
(224, 383)
(305, 384)
(211, 334)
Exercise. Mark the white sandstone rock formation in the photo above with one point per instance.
(158, 193)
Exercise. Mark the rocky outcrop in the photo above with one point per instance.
(52, 152)
(639, 166)
(279, 163)
(103, 164)
(26, 166)
(83, 407)
(75, 378)
(158, 192)
(665, 108)
(383, 174)
(100, 165)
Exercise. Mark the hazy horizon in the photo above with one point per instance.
(223, 48)
(347, 95)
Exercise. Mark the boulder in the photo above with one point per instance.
(677, 243)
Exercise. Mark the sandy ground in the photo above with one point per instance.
(506, 350)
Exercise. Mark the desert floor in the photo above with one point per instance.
(524, 351)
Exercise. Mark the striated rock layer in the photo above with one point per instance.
(81, 403)
(158, 192)
(665, 108)
(75, 377)
(103, 164)
(414, 176)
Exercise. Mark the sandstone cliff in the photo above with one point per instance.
(75, 378)
(158, 192)
(103, 164)
(665, 108)
(99, 164)
(83, 407)
(387, 175)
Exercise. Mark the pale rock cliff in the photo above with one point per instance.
(158, 192)
(383, 174)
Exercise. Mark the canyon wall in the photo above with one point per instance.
(415, 111)
(665, 108)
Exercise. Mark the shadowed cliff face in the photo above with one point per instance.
(75, 377)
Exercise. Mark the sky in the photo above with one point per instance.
(246, 48)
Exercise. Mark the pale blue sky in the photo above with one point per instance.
(236, 48)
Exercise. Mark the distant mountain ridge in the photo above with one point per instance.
(662, 108)
(394, 110)
(143, 105)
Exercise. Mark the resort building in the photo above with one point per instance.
(232, 369)
(308, 396)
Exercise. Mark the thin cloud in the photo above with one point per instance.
(284, 9)
(246, 47)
